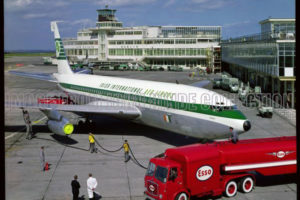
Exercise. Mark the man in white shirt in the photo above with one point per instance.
(91, 186)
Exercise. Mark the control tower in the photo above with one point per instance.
(106, 23)
(106, 14)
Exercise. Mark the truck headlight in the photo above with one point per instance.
(160, 196)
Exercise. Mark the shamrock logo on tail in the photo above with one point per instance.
(57, 44)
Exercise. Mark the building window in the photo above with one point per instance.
(288, 61)
(281, 61)
(281, 71)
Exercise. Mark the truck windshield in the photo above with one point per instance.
(161, 174)
(151, 169)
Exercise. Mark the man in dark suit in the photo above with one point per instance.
(27, 121)
(75, 188)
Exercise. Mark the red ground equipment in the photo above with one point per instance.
(219, 167)
(46, 166)
(55, 100)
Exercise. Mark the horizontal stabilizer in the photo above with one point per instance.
(83, 71)
(39, 76)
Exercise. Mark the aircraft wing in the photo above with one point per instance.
(39, 76)
(46, 76)
(201, 84)
(99, 107)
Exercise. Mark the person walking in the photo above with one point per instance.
(233, 135)
(92, 143)
(75, 188)
(42, 158)
(126, 151)
(91, 186)
(27, 121)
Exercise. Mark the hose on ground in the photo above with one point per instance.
(137, 162)
(111, 151)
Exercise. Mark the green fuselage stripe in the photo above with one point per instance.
(190, 107)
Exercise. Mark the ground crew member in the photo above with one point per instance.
(42, 158)
(233, 135)
(126, 151)
(27, 121)
(75, 188)
(92, 143)
(91, 186)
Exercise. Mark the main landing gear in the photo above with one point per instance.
(88, 125)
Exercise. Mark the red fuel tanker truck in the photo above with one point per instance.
(218, 167)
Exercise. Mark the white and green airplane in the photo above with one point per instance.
(187, 110)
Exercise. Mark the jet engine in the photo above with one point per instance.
(57, 123)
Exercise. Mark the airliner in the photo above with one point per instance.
(184, 109)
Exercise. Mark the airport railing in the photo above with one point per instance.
(262, 36)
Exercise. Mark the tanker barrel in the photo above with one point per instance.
(268, 156)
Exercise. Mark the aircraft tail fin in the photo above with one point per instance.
(62, 61)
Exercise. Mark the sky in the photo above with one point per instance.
(27, 22)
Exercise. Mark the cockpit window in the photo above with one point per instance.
(151, 169)
(161, 174)
(222, 108)
(227, 108)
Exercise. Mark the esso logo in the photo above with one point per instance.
(280, 154)
(204, 173)
(151, 188)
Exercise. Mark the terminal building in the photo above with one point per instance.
(109, 41)
(266, 59)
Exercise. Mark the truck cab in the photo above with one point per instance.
(234, 85)
(217, 83)
(163, 179)
(183, 172)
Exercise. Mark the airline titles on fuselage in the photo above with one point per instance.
(136, 90)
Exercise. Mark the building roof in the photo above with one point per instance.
(277, 20)
(106, 9)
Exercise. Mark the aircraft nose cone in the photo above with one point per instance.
(247, 125)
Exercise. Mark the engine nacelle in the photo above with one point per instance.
(53, 115)
(62, 127)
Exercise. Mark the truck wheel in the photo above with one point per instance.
(246, 184)
(181, 196)
(231, 189)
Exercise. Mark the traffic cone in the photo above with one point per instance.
(46, 166)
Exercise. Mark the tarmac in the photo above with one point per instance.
(116, 179)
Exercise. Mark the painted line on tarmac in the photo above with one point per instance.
(37, 121)
(15, 133)
(12, 135)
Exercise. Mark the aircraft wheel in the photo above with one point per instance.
(80, 123)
